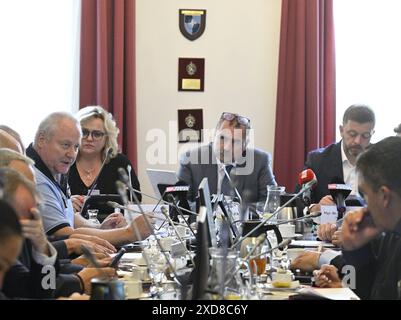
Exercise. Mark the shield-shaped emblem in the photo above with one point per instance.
(192, 23)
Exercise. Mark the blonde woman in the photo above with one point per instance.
(99, 133)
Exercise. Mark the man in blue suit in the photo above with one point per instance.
(229, 155)
(337, 161)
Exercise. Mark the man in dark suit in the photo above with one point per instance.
(371, 237)
(249, 169)
(337, 161)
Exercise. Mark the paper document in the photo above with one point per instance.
(310, 244)
(330, 293)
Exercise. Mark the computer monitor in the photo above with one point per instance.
(200, 273)
(205, 201)
(160, 179)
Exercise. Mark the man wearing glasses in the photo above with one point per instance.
(231, 166)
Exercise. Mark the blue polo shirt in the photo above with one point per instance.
(56, 209)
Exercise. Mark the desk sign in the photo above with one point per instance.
(330, 213)
(191, 73)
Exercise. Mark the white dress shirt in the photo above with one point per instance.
(349, 172)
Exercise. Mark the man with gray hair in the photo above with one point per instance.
(232, 167)
(54, 150)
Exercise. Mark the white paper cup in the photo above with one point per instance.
(133, 289)
(287, 230)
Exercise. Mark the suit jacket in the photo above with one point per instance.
(326, 164)
(378, 266)
(24, 278)
(250, 178)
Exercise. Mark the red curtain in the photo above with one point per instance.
(305, 114)
(107, 65)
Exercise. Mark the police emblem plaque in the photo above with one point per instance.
(192, 23)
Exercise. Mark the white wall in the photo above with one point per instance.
(240, 46)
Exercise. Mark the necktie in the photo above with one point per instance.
(225, 184)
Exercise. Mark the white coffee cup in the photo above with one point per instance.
(293, 253)
(166, 243)
(287, 230)
(133, 288)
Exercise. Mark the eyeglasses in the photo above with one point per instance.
(95, 134)
(366, 135)
(231, 116)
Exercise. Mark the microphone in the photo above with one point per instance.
(129, 168)
(248, 257)
(116, 205)
(179, 193)
(123, 194)
(307, 177)
(123, 175)
(309, 184)
(305, 217)
(339, 191)
(171, 199)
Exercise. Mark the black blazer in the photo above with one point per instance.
(326, 164)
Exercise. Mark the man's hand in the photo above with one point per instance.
(77, 202)
(325, 201)
(113, 221)
(358, 229)
(327, 277)
(306, 261)
(33, 230)
(326, 231)
(337, 238)
(96, 244)
(138, 221)
(102, 259)
(74, 245)
(88, 274)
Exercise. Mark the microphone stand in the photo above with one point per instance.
(149, 225)
(119, 206)
(179, 212)
(159, 200)
(232, 185)
(130, 182)
(282, 244)
(171, 222)
(278, 210)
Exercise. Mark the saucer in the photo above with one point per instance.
(294, 285)
(295, 236)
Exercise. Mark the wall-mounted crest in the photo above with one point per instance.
(192, 23)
